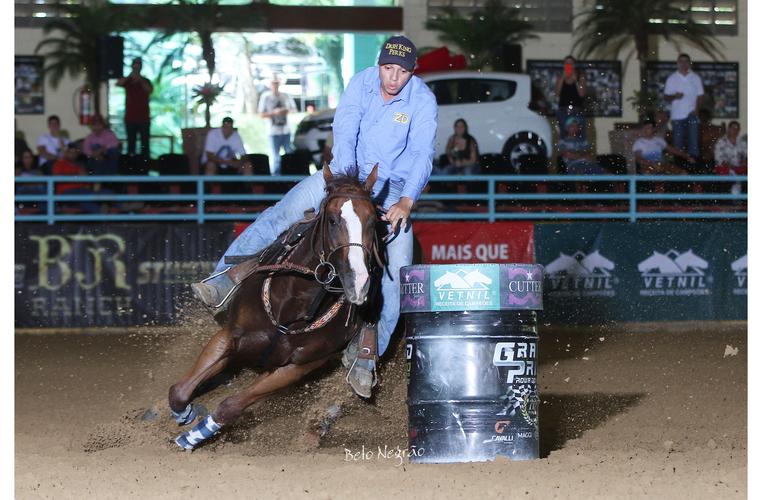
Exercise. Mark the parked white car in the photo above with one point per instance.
(495, 106)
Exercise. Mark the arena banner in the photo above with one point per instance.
(649, 271)
(87, 275)
(473, 242)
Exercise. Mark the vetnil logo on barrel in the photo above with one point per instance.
(471, 287)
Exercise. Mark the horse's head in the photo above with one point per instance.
(349, 217)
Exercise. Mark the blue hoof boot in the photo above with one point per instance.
(205, 429)
(186, 416)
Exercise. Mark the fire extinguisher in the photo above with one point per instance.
(85, 105)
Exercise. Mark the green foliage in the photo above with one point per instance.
(73, 48)
(481, 35)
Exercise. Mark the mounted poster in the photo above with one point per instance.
(721, 81)
(28, 85)
(604, 85)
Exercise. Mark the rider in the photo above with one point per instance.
(386, 116)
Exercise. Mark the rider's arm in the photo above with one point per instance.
(422, 138)
(347, 123)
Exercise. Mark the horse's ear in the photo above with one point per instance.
(327, 175)
(371, 179)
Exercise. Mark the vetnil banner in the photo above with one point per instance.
(654, 271)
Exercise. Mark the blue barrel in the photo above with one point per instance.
(471, 342)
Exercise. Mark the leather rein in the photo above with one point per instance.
(324, 265)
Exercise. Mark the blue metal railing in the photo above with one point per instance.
(482, 206)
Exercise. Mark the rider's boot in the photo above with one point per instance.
(362, 373)
(215, 291)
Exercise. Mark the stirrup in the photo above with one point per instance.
(228, 295)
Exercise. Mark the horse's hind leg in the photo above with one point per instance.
(231, 408)
(212, 360)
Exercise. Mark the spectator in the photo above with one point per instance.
(570, 90)
(709, 135)
(731, 151)
(275, 106)
(51, 146)
(69, 166)
(462, 152)
(27, 166)
(684, 92)
(137, 114)
(649, 152)
(101, 148)
(222, 147)
(576, 153)
(19, 144)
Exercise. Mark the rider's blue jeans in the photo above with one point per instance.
(307, 194)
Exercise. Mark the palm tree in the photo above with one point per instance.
(482, 35)
(607, 27)
(74, 50)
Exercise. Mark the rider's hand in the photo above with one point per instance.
(398, 213)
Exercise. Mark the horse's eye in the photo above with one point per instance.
(332, 220)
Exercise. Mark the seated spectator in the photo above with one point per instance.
(224, 151)
(575, 152)
(731, 151)
(649, 152)
(462, 152)
(69, 166)
(51, 146)
(101, 148)
(27, 166)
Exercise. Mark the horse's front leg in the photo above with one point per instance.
(212, 360)
(232, 407)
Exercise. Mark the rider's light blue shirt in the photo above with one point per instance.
(398, 134)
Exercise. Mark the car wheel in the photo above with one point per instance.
(524, 143)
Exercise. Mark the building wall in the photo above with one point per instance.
(558, 45)
(57, 101)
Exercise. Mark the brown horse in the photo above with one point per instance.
(288, 318)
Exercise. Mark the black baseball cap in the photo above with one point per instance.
(398, 50)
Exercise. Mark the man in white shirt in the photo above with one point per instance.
(224, 151)
(275, 106)
(51, 146)
(684, 92)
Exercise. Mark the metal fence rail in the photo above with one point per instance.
(500, 197)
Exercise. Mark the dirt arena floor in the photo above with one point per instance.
(628, 411)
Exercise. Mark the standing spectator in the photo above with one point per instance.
(462, 152)
(224, 151)
(69, 166)
(570, 89)
(684, 92)
(51, 146)
(137, 112)
(275, 106)
(101, 148)
(649, 152)
(577, 153)
(731, 151)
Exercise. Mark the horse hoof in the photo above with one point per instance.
(186, 416)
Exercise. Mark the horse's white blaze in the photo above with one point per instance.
(355, 253)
